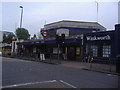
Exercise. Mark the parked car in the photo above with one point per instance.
(0, 53)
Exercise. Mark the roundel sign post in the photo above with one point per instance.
(44, 33)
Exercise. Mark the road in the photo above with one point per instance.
(16, 71)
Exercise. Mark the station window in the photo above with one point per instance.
(78, 51)
(106, 51)
(94, 49)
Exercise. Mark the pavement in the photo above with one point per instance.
(19, 72)
(102, 68)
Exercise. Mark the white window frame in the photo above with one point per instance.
(106, 51)
(94, 49)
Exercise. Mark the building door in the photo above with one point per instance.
(78, 53)
(71, 54)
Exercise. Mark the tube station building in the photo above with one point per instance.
(80, 38)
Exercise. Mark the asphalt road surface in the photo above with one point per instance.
(16, 72)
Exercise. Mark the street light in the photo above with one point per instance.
(97, 9)
(21, 16)
(20, 23)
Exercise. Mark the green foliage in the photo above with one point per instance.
(34, 36)
(4, 37)
(8, 39)
(10, 36)
(22, 33)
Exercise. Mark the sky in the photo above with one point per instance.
(37, 14)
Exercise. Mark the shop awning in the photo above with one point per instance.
(49, 41)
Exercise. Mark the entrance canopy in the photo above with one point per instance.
(77, 40)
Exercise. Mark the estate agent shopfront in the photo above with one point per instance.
(103, 44)
(99, 44)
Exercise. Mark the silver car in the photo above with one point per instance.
(0, 53)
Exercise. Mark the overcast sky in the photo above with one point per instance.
(37, 14)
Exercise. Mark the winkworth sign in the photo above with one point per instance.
(95, 38)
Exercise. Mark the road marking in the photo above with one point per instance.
(109, 74)
(67, 84)
(22, 84)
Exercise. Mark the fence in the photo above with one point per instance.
(104, 64)
(49, 57)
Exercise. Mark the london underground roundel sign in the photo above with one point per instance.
(44, 33)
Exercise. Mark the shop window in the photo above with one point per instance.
(55, 50)
(78, 51)
(48, 50)
(94, 49)
(106, 51)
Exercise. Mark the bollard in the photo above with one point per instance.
(50, 57)
(91, 63)
(110, 65)
(118, 64)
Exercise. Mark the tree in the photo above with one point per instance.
(4, 38)
(34, 37)
(8, 39)
(22, 33)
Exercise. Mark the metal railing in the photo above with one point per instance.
(103, 64)
(49, 57)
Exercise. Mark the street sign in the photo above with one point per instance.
(44, 33)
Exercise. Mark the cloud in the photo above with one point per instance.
(37, 13)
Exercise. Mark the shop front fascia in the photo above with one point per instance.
(100, 44)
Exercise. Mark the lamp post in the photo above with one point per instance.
(20, 28)
(97, 9)
(21, 16)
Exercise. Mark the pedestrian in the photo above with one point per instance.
(91, 60)
(88, 59)
(42, 56)
(64, 56)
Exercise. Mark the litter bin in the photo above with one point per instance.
(118, 64)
